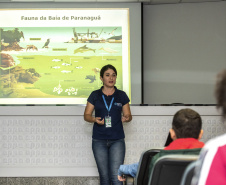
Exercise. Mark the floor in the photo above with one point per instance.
(49, 181)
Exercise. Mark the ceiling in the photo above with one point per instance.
(178, 1)
(121, 1)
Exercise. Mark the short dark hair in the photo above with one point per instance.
(220, 92)
(187, 123)
(105, 68)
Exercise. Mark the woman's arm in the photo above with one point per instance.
(88, 115)
(126, 117)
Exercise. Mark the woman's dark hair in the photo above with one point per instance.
(187, 123)
(220, 92)
(105, 68)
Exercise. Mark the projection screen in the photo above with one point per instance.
(54, 55)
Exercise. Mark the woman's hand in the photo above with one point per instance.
(99, 121)
(125, 118)
(88, 115)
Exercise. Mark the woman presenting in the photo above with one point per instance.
(111, 109)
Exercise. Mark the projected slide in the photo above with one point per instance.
(55, 56)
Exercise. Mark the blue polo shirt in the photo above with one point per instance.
(116, 130)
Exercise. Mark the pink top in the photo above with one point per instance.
(211, 166)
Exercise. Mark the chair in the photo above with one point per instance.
(169, 169)
(188, 174)
(142, 172)
(129, 180)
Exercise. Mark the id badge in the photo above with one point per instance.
(108, 121)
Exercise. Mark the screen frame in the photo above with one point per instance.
(134, 42)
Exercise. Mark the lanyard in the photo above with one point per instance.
(108, 108)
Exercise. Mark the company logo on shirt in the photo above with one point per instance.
(118, 104)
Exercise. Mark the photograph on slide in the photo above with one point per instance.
(48, 59)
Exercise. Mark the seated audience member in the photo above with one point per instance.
(211, 165)
(168, 140)
(185, 132)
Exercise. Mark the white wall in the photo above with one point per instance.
(56, 141)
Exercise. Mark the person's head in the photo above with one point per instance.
(108, 74)
(187, 123)
(220, 92)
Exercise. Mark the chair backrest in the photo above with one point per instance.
(129, 180)
(142, 172)
(169, 169)
(188, 174)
